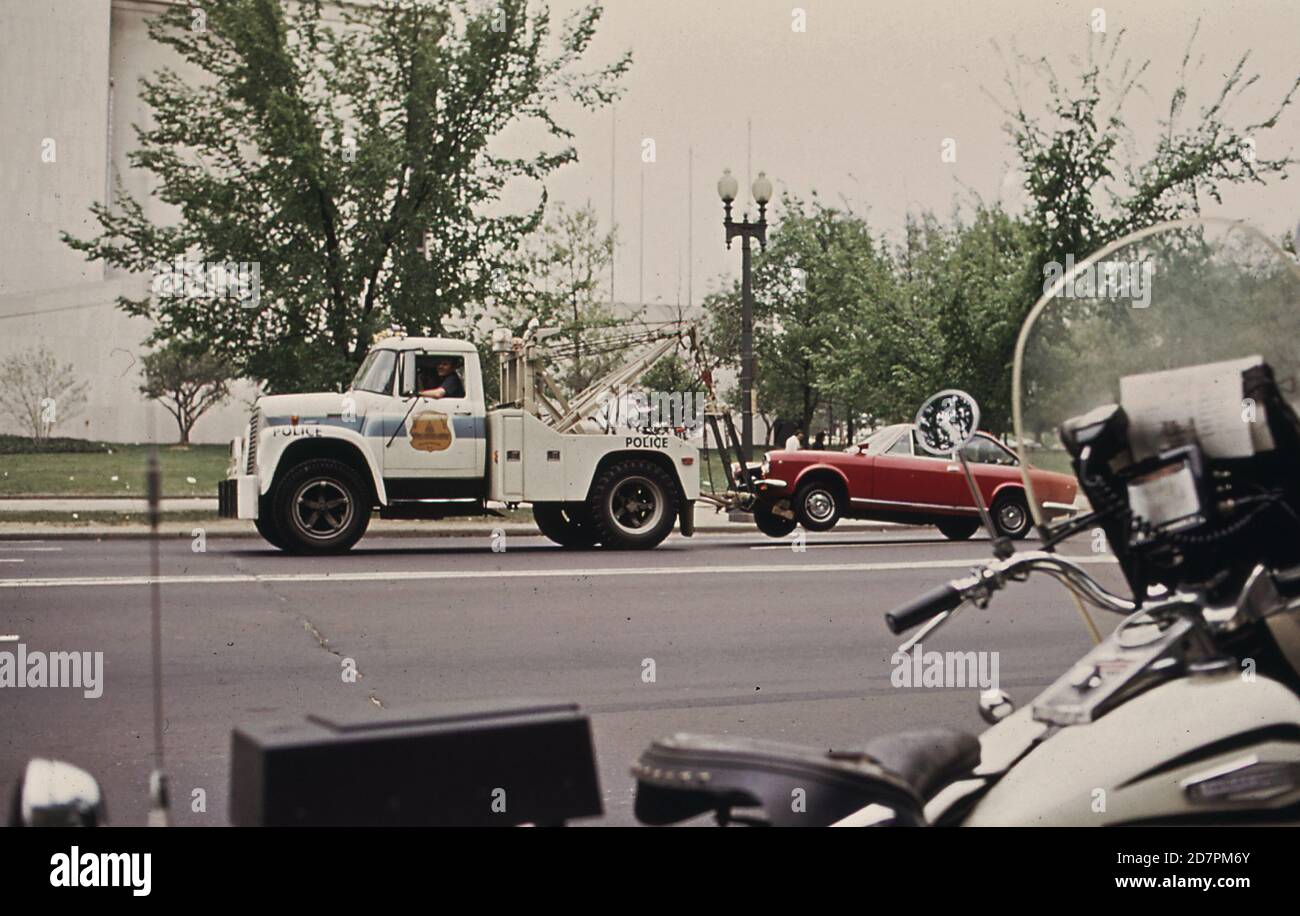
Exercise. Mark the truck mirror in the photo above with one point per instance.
(408, 374)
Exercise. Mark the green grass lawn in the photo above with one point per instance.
(710, 462)
(1051, 460)
(120, 473)
(85, 519)
(93, 473)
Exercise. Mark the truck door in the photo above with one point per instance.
(441, 436)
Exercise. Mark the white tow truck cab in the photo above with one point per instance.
(413, 437)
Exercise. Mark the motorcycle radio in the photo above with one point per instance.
(1190, 474)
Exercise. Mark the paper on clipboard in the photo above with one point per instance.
(1198, 404)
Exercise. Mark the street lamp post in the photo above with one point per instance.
(728, 187)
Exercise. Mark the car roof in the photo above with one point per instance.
(446, 344)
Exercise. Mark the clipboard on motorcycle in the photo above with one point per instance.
(945, 424)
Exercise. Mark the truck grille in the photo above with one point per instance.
(251, 466)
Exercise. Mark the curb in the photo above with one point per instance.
(51, 532)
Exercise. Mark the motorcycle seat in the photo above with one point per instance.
(688, 775)
(926, 759)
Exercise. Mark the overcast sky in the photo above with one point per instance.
(860, 103)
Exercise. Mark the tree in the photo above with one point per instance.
(963, 289)
(956, 316)
(358, 165)
(1087, 181)
(37, 392)
(556, 278)
(186, 382)
(810, 285)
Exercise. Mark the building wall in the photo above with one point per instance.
(54, 66)
(70, 71)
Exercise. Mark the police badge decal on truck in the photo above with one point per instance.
(430, 432)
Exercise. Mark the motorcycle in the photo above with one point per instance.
(1164, 367)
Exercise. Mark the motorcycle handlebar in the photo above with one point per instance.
(917, 611)
(992, 576)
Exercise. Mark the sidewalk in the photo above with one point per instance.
(707, 521)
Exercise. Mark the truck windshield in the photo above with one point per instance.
(376, 373)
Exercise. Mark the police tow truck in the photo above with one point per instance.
(413, 437)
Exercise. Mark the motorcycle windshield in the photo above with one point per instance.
(1177, 295)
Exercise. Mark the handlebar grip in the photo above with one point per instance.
(917, 611)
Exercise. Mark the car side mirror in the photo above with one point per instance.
(52, 793)
(408, 374)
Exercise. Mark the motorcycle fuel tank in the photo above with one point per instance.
(1197, 747)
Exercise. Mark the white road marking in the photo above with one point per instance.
(9, 638)
(30, 549)
(12, 560)
(897, 542)
(425, 575)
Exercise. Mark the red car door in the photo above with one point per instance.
(943, 483)
(901, 476)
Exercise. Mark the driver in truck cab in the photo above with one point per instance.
(442, 381)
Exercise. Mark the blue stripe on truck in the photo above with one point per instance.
(383, 427)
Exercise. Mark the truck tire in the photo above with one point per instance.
(321, 507)
(633, 504)
(567, 524)
(265, 523)
(958, 529)
(773, 525)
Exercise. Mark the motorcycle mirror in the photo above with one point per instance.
(995, 705)
(947, 421)
(52, 793)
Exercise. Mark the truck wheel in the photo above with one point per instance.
(958, 529)
(773, 525)
(818, 505)
(321, 506)
(568, 525)
(265, 524)
(1011, 515)
(634, 505)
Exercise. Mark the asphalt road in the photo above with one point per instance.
(747, 637)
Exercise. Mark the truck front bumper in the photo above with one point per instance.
(237, 497)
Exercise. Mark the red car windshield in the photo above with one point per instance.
(873, 442)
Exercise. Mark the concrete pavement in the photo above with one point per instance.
(745, 636)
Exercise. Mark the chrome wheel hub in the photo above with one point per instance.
(322, 508)
(636, 504)
(819, 505)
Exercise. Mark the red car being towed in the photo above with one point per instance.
(893, 479)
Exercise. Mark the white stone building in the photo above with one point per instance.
(70, 71)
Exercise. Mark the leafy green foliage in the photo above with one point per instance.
(358, 163)
(821, 268)
(557, 277)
